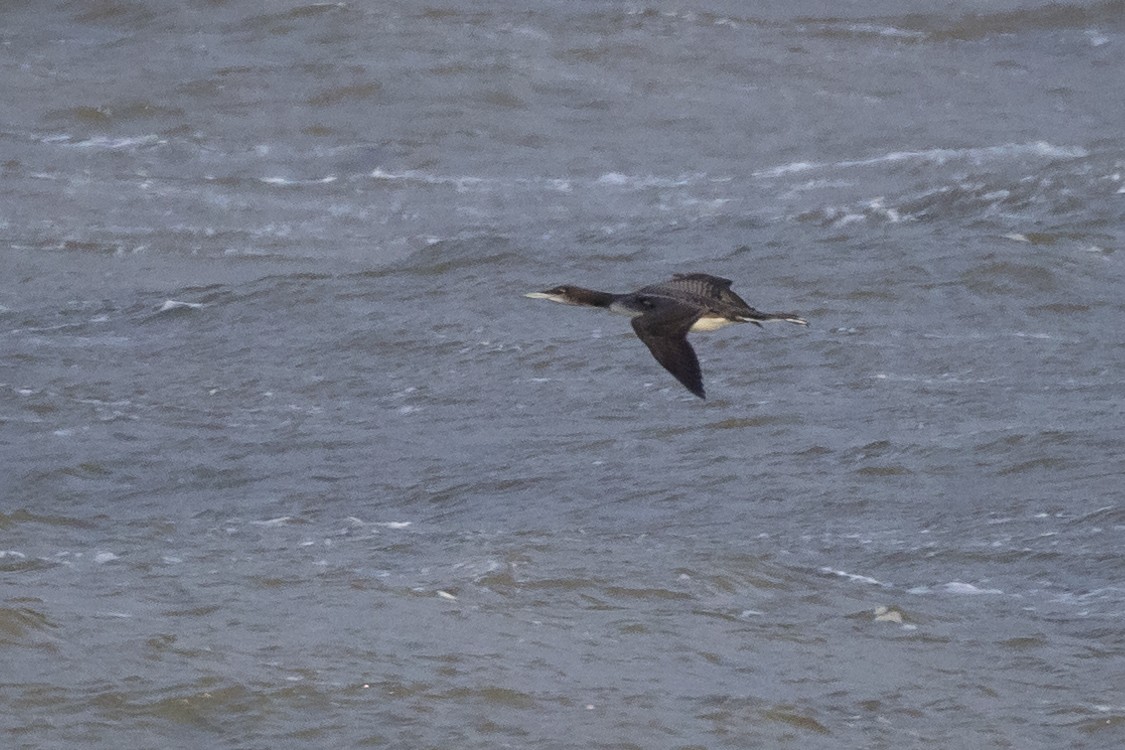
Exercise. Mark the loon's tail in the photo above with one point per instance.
(757, 318)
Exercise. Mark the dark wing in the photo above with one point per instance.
(704, 285)
(717, 282)
(664, 332)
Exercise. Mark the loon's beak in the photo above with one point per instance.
(542, 295)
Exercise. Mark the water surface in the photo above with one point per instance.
(289, 461)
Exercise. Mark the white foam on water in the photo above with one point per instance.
(289, 182)
(360, 523)
(959, 587)
(880, 30)
(280, 521)
(105, 142)
(175, 304)
(937, 156)
(852, 576)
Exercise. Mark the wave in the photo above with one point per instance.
(939, 156)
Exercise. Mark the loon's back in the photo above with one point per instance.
(711, 293)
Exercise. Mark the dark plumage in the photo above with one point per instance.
(663, 315)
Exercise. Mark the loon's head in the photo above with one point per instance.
(575, 295)
(568, 295)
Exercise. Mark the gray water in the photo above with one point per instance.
(288, 461)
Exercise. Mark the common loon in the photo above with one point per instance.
(664, 313)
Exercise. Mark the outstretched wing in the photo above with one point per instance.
(664, 332)
(704, 286)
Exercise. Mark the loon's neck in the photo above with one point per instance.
(590, 297)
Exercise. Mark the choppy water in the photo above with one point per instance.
(289, 462)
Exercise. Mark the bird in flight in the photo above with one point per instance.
(663, 314)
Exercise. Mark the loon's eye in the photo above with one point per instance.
(646, 302)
